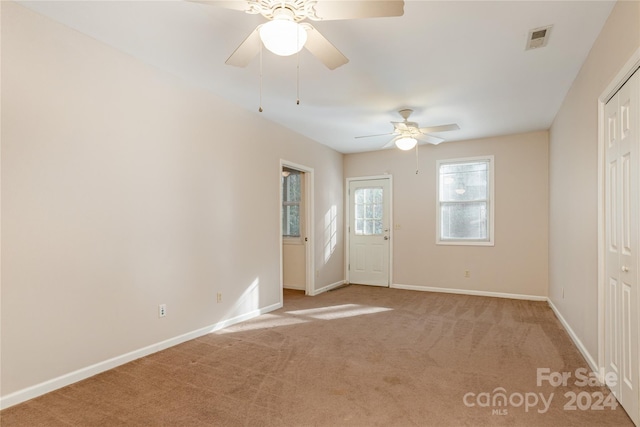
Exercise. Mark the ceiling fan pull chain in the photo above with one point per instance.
(261, 49)
(417, 162)
(298, 73)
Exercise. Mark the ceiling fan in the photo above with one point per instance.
(409, 133)
(285, 33)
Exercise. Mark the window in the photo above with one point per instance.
(291, 202)
(465, 201)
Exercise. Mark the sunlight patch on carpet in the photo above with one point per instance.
(338, 311)
(263, 322)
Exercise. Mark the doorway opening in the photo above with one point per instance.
(296, 227)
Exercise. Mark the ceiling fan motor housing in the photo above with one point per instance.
(405, 113)
(297, 10)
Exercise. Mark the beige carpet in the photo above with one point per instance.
(356, 356)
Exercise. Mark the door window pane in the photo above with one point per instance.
(368, 211)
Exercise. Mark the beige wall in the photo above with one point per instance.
(573, 244)
(124, 188)
(517, 264)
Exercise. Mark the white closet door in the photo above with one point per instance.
(622, 302)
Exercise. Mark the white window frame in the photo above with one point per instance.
(490, 203)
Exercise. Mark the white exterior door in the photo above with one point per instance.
(622, 218)
(369, 231)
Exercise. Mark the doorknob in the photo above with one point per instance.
(386, 237)
(625, 269)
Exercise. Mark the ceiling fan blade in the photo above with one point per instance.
(322, 49)
(354, 9)
(380, 134)
(390, 143)
(227, 4)
(400, 126)
(430, 139)
(443, 128)
(247, 50)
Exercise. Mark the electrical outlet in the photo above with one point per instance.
(162, 310)
(467, 273)
(219, 297)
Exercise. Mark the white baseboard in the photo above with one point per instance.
(590, 360)
(328, 288)
(81, 374)
(469, 292)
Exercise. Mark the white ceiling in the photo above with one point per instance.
(450, 61)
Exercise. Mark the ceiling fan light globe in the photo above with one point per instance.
(406, 143)
(283, 37)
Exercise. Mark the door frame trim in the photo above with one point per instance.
(347, 222)
(614, 85)
(309, 225)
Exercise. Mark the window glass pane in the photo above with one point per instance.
(368, 211)
(359, 211)
(291, 197)
(291, 187)
(377, 227)
(368, 228)
(377, 211)
(464, 181)
(463, 221)
(368, 195)
(291, 221)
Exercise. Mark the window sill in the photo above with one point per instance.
(463, 243)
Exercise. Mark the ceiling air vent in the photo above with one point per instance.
(538, 37)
